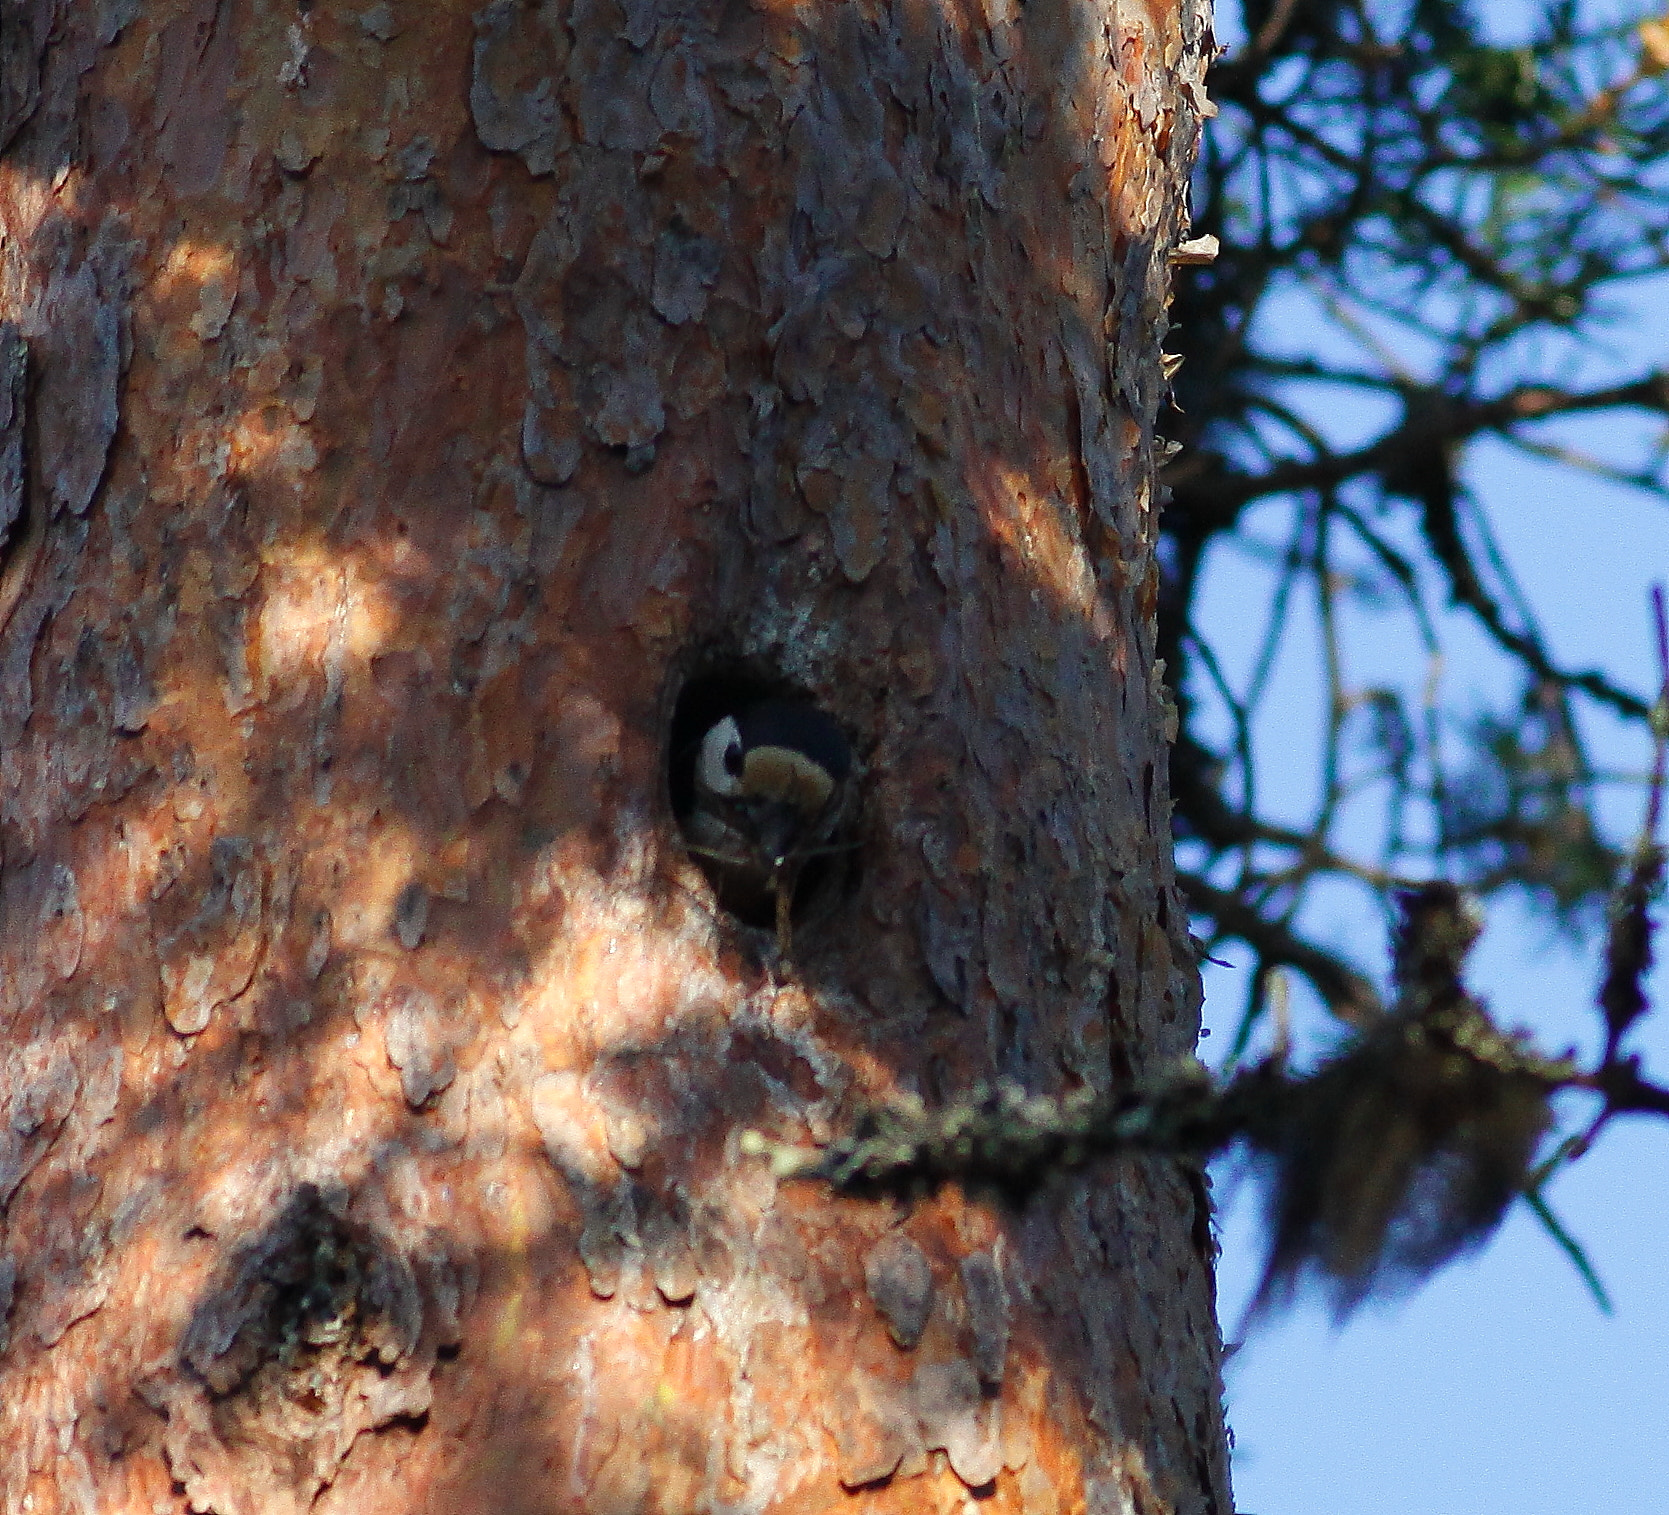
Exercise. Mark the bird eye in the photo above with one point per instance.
(733, 759)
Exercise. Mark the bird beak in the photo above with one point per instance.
(779, 830)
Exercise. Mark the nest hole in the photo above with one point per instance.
(716, 689)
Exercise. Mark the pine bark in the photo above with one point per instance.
(399, 405)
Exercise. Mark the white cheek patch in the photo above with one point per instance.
(710, 770)
(782, 774)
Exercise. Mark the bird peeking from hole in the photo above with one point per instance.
(770, 792)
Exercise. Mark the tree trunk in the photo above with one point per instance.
(415, 421)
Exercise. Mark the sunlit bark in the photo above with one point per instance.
(412, 397)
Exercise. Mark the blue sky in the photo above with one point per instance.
(1498, 1389)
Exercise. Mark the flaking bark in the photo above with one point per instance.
(431, 390)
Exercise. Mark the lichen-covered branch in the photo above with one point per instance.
(1393, 1156)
